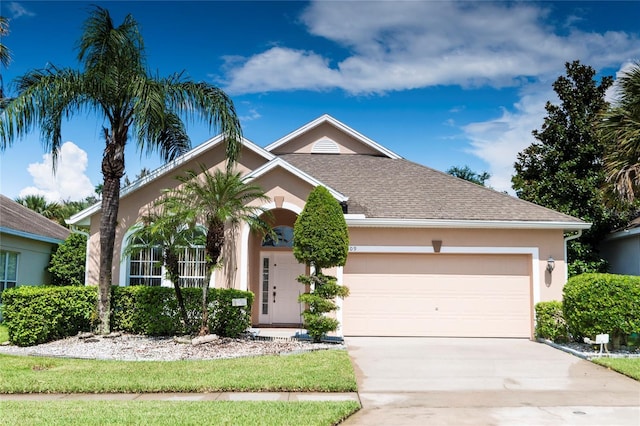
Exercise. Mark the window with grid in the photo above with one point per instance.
(192, 266)
(145, 267)
(8, 269)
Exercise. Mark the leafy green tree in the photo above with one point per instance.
(67, 266)
(172, 234)
(116, 84)
(563, 169)
(466, 173)
(620, 127)
(321, 240)
(220, 200)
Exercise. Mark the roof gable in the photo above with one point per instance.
(326, 135)
(16, 219)
(279, 162)
(82, 217)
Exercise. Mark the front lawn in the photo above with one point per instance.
(4, 333)
(627, 366)
(175, 413)
(318, 371)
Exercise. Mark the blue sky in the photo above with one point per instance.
(440, 83)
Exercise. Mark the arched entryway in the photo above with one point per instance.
(273, 274)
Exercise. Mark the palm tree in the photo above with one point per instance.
(620, 127)
(40, 205)
(116, 84)
(172, 234)
(220, 201)
(5, 54)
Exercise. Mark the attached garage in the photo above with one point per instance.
(438, 294)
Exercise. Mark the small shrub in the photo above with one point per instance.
(319, 302)
(602, 303)
(550, 323)
(35, 315)
(228, 320)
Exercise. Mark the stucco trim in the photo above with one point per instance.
(341, 126)
(244, 239)
(358, 222)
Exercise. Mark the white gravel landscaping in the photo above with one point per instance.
(127, 347)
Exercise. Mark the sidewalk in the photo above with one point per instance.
(214, 396)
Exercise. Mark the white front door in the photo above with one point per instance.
(280, 289)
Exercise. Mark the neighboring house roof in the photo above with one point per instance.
(380, 187)
(15, 219)
(630, 230)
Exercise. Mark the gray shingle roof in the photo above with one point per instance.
(16, 217)
(381, 187)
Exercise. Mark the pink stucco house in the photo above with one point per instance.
(430, 254)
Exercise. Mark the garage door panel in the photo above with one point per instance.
(410, 304)
(443, 264)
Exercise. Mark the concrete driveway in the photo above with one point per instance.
(440, 381)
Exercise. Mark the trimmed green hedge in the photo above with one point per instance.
(36, 315)
(40, 314)
(550, 323)
(602, 303)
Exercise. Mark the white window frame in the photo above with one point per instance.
(4, 258)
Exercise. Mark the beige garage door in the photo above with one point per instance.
(451, 295)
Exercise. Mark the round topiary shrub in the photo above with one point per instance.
(602, 303)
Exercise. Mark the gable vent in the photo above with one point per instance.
(325, 146)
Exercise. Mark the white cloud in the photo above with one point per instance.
(16, 10)
(499, 141)
(406, 45)
(68, 183)
(612, 93)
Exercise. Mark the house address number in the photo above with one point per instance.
(353, 248)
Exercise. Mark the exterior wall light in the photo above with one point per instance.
(551, 264)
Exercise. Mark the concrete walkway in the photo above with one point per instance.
(417, 381)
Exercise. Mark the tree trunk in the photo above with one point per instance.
(215, 241)
(112, 171)
(171, 261)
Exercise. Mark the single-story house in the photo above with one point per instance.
(27, 240)
(622, 249)
(430, 254)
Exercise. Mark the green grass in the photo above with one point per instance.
(318, 371)
(173, 413)
(4, 334)
(627, 366)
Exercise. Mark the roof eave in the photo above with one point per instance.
(30, 236)
(363, 222)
